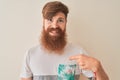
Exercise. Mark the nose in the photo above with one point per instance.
(54, 24)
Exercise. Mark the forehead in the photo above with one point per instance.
(59, 15)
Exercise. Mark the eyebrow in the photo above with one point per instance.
(61, 18)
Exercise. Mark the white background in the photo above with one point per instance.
(93, 24)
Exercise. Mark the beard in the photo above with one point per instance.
(54, 43)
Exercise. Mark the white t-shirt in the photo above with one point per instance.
(38, 62)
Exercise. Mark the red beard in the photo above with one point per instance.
(54, 43)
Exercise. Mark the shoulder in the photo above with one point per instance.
(34, 50)
(75, 48)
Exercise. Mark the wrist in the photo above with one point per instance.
(97, 66)
(100, 73)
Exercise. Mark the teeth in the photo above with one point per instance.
(53, 32)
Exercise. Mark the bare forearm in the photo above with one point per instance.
(26, 79)
(90, 63)
(100, 74)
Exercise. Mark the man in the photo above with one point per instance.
(41, 62)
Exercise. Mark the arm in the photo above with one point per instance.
(26, 73)
(100, 73)
(90, 63)
(26, 78)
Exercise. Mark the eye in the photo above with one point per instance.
(50, 20)
(60, 20)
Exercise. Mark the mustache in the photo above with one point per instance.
(58, 30)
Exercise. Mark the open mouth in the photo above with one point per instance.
(53, 33)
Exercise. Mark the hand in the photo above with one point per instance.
(90, 63)
(86, 62)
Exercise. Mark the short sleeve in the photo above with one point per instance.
(86, 73)
(83, 51)
(26, 71)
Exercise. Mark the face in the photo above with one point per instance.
(54, 33)
(56, 24)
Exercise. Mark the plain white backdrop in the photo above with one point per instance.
(93, 24)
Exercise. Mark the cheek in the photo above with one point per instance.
(63, 27)
(46, 26)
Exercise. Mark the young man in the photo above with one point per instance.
(41, 62)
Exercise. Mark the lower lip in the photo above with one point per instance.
(53, 33)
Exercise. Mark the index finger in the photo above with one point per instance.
(75, 57)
